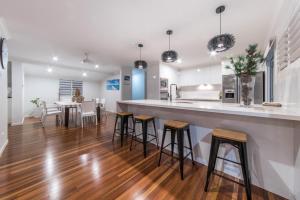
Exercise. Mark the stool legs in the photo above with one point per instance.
(145, 127)
(162, 144)
(122, 130)
(212, 160)
(153, 121)
(116, 121)
(190, 143)
(245, 170)
(133, 134)
(172, 142)
(180, 150)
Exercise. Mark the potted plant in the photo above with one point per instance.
(245, 68)
(37, 111)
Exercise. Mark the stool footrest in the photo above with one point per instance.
(177, 145)
(222, 176)
(229, 160)
(189, 153)
(141, 141)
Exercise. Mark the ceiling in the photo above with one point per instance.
(110, 29)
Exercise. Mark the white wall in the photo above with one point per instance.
(152, 81)
(201, 75)
(3, 109)
(126, 93)
(48, 88)
(287, 82)
(111, 96)
(17, 106)
(170, 73)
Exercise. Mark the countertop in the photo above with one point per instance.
(284, 113)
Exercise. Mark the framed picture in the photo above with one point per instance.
(113, 84)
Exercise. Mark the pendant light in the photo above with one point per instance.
(140, 64)
(221, 42)
(170, 55)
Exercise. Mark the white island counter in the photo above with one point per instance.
(273, 137)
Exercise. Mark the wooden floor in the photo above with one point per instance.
(75, 163)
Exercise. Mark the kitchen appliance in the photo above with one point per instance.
(231, 88)
(164, 89)
(173, 92)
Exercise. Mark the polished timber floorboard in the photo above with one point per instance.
(75, 163)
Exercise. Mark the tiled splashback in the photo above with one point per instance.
(203, 91)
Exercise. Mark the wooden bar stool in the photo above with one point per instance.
(144, 119)
(177, 127)
(236, 139)
(123, 116)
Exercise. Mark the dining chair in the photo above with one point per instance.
(50, 111)
(87, 110)
(103, 108)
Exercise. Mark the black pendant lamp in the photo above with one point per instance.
(170, 55)
(221, 42)
(140, 64)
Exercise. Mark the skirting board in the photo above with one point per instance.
(3, 148)
(17, 123)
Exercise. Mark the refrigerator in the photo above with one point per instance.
(231, 88)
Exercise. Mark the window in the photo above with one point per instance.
(68, 87)
(288, 50)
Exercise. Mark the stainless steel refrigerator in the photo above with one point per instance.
(231, 88)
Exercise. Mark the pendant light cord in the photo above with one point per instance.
(220, 23)
(169, 41)
(140, 53)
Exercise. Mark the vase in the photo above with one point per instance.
(247, 83)
(37, 112)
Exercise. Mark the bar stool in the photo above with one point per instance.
(144, 119)
(123, 116)
(177, 127)
(236, 139)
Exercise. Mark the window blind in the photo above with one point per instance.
(68, 87)
(288, 50)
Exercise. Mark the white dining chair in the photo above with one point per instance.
(103, 107)
(88, 110)
(50, 111)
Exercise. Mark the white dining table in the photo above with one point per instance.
(65, 107)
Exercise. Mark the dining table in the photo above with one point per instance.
(66, 105)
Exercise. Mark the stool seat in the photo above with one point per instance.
(143, 117)
(176, 124)
(124, 113)
(230, 135)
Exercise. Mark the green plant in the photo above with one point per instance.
(36, 102)
(247, 64)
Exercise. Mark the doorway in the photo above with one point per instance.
(138, 84)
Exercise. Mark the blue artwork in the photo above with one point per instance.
(113, 84)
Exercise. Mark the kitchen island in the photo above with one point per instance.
(274, 162)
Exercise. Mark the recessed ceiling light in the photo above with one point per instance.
(179, 61)
(49, 69)
(96, 66)
(84, 74)
(55, 58)
(198, 70)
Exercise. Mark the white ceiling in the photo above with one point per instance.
(69, 73)
(110, 29)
